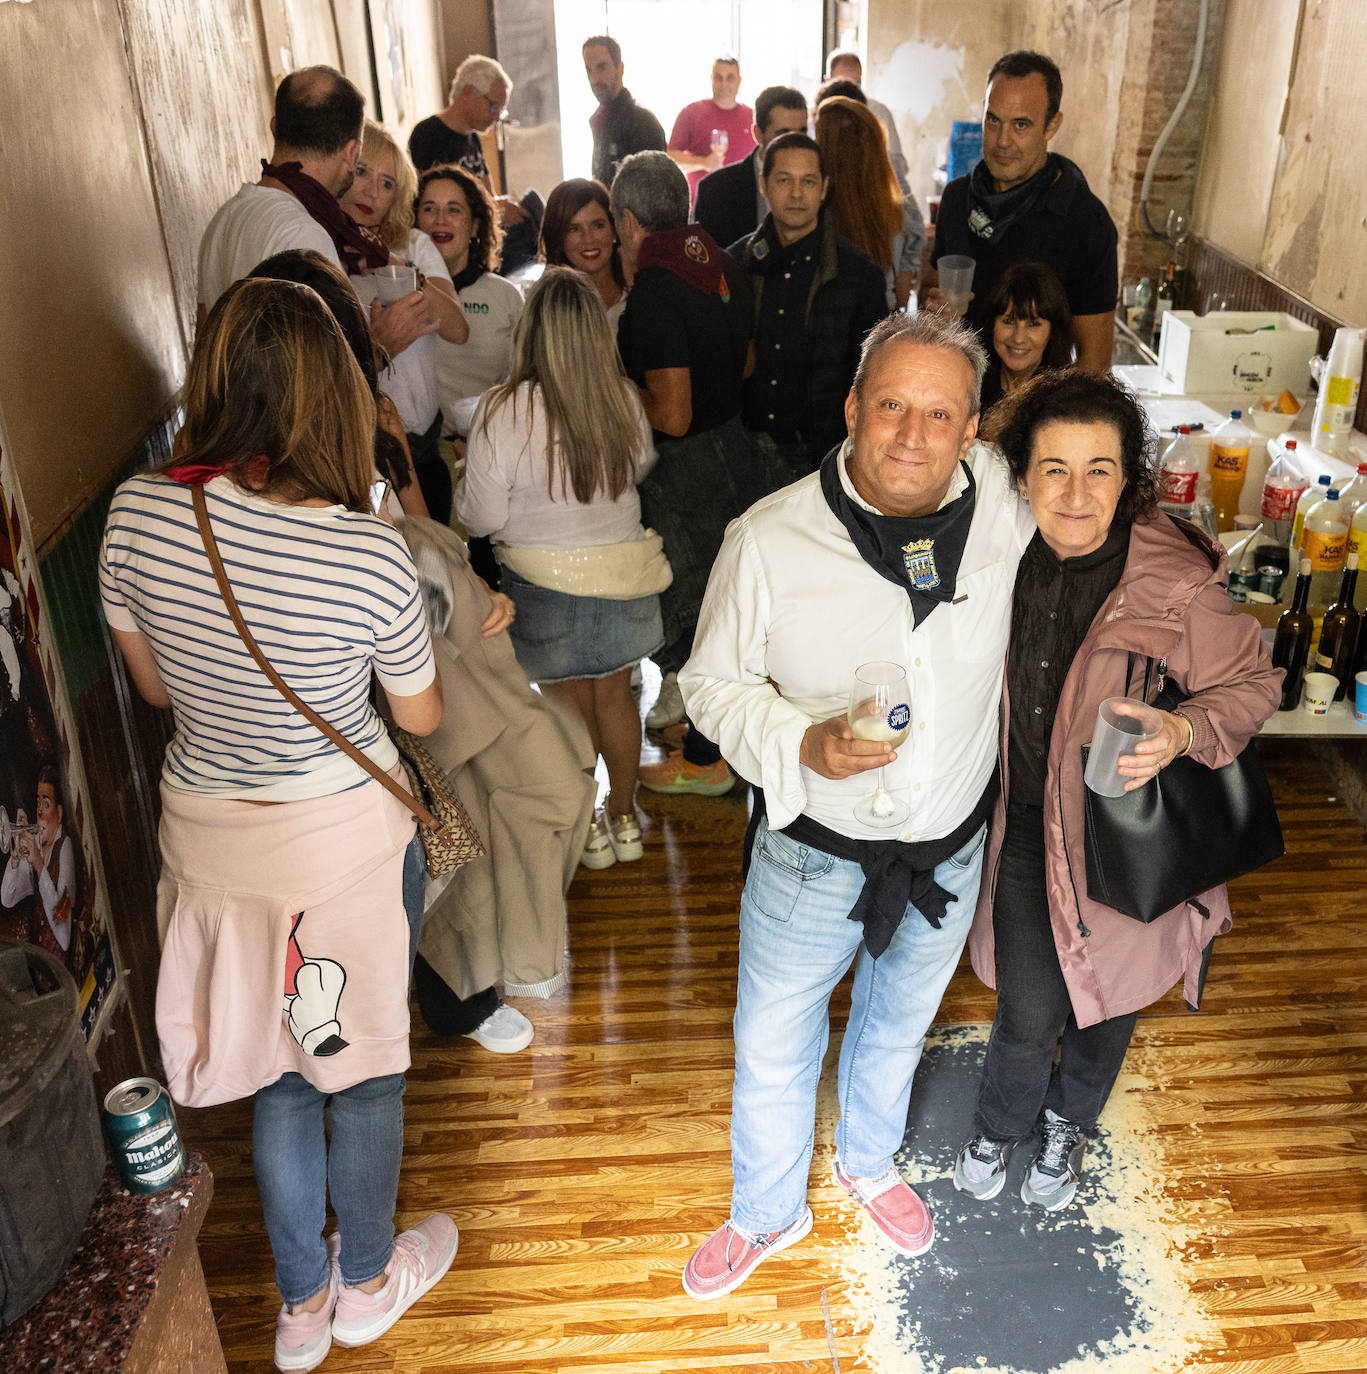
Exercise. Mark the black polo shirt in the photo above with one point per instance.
(1068, 228)
(1055, 602)
(776, 392)
(668, 323)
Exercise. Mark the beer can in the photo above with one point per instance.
(143, 1136)
(1241, 583)
(1270, 578)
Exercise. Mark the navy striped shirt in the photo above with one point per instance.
(328, 595)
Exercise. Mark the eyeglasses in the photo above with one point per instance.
(496, 111)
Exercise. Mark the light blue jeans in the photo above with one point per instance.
(297, 1165)
(796, 942)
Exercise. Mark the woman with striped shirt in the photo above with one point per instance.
(291, 881)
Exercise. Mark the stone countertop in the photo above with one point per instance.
(89, 1321)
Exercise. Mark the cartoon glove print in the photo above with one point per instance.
(313, 989)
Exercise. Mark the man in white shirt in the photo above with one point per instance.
(317, 129)
(903, 547)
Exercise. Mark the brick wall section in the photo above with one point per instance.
(1124, 68)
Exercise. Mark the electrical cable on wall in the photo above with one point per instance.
(1177, 113)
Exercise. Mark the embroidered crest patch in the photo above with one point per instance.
(696, 249)
(760, 251)
(919, 558)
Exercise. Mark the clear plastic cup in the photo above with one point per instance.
(1121, 723)
(394, 283)
(956, 281)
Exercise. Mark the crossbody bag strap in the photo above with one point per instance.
(345, 745)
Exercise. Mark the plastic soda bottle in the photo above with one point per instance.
(1308, 500)
(1324, 541)
(1338, 398)
(1353, 493)
(1203, 512)
(1357, 535)
(1229, 449)
(1282, 488)
(1177, 475)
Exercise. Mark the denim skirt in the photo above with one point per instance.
(558, 637)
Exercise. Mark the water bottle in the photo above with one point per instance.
(1177, 475)
(1338, 398)
(1203, 513)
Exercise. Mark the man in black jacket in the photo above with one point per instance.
(729, 204)
(816, 297)
(620, 126)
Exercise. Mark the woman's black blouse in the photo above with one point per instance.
(1056, 601)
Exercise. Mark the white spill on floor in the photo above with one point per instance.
(1008, 1288)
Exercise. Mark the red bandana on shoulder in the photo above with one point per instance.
(690, 253)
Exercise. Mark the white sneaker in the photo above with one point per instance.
(599, 851)
(669, 705)
(624, 832)
(504, 1032)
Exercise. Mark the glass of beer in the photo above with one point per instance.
(880, 708)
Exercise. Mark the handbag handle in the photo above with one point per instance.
(345, 745)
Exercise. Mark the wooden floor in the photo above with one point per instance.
(582, 1172)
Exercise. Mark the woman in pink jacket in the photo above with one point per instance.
(1108, 582)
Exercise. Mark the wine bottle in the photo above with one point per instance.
(1291, 647)
(1338, 633)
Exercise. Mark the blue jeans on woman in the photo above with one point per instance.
(297, 1166)
(796, 942)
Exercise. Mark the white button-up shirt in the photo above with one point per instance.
(792, 610)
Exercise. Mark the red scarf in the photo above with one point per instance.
(356, 245)
(198, 474)
(690, 253)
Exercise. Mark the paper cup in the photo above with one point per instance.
(394, 283)
(1121, 723)
(1317, 693)
(1360, 700)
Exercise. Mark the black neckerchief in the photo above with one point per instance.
(992, 212)
(468, 277)
(919, 553)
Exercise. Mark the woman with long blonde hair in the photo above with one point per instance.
(554, 457)
(381, 198)
(865, 199)
(287, 871)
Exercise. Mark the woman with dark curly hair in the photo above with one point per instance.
(455, 211)
(1107, 583)
(1032, 329)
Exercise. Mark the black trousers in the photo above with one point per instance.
(1020, 1077)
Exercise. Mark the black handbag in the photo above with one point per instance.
(1189, 829)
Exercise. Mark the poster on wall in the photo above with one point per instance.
(50, 893)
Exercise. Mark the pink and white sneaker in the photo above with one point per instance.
(303, 1339)
(421, 1257)
(901, 1218)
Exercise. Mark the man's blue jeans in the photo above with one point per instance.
(796, 942)
(297, 1165)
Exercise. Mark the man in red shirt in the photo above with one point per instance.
(709, 134)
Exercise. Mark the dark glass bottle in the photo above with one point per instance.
(1292, 644)
(1339, 632)
(1162, 303)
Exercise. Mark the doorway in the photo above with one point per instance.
(668, 47)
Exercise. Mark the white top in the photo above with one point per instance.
(327, 593)
(504, 493)
(895, 155)
(791, 602)
(493, 306)
(256, 223)
(410, 380)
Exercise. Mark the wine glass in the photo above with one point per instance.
(1176, 229)
(880, 708)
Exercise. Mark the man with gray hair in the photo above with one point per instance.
(897, 557)
(684, 337)
(477, 100)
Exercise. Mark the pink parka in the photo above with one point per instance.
(1171, 604)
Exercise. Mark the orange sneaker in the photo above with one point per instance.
(676, 774)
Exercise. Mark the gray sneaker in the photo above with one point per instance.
(1053, 1175)
(980, 1169)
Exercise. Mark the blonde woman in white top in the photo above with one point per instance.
(554, 457)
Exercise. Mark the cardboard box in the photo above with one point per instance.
(1199, 355)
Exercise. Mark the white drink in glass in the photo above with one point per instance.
(880, 709)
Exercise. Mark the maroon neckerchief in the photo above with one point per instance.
(356, 245)
(197, 474)
(690, 253)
